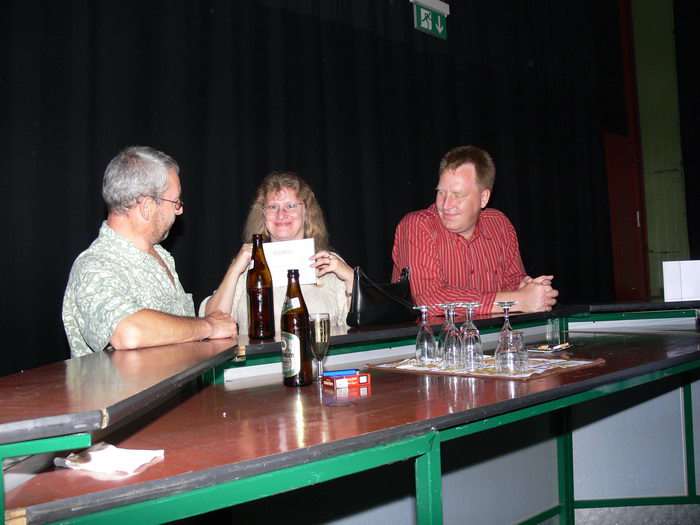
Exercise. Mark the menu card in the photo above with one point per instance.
(290, 255)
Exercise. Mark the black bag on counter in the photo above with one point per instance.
(375, 304)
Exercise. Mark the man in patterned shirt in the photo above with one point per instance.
(123, 291)
(459, 250)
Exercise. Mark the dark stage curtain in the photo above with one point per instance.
(345, 92)
(687, 54)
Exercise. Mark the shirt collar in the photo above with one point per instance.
(121, 244)
(479, 229)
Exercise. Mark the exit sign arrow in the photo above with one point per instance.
(430, 16)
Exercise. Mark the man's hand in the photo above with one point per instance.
(222, 325)
(542, 279)
(536, 296)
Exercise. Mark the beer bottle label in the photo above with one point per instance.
(291, 354)
(290, 304)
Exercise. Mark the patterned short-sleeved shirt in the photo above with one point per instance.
(111, 280)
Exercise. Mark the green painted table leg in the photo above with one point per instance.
(689, 439)
(429, 484)
(565, 466)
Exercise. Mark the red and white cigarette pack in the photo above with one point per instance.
(347, 381)
(342, 394)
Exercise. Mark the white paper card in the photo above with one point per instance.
(290, 255)
(681, 280)
(106, 458)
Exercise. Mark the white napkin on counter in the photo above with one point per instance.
(107, 459)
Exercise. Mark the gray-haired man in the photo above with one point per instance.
(124, 291)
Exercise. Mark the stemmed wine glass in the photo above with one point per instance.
(450, 345)
(472, 353)
(506, 305)
(426, 348)
(320, 339)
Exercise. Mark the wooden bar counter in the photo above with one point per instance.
(230, 443)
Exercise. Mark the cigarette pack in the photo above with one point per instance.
(346, 381)
(346, 393)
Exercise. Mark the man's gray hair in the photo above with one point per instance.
(136, 172)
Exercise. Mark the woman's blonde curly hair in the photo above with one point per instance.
(314, 223)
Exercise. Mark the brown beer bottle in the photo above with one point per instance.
(261, 320)
(297, 359)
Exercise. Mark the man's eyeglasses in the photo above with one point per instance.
(291, 208)
(178, 203)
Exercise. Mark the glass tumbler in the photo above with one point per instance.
(508, 355)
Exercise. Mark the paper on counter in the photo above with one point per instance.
(536, 366)
(681, 280)
(290, 255)
(107, 459)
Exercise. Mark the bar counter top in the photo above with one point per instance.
(101, 389)
(97, 390)
(222, 433)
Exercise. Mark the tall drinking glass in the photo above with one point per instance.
(426, 347)
(508, 355)
(320, 328)
(472, 353)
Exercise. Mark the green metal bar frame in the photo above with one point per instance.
(691, 496)
(632, 316)
(38, 446)
(425, 449)
(429, 483)
(689, 432)
(565, 467)
(637, 502)
(567, 502)
(539, 518)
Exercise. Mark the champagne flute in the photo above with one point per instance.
(506, 305)
(425, 341)
(472, 353)
(320, 328)
(450, 346)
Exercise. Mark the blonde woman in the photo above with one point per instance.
(284, 209)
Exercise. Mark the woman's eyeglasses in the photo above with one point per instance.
(291, 208)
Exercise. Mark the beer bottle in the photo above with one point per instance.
(261, 320)
(297, 359)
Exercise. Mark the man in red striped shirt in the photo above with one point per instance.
(459, 250)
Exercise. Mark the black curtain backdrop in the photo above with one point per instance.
(344, 92)
(687, 55)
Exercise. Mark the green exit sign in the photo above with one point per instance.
(430, 16)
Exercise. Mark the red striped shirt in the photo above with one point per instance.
(446, 267)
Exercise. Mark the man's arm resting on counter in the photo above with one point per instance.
(533, 295)
(153, 328)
